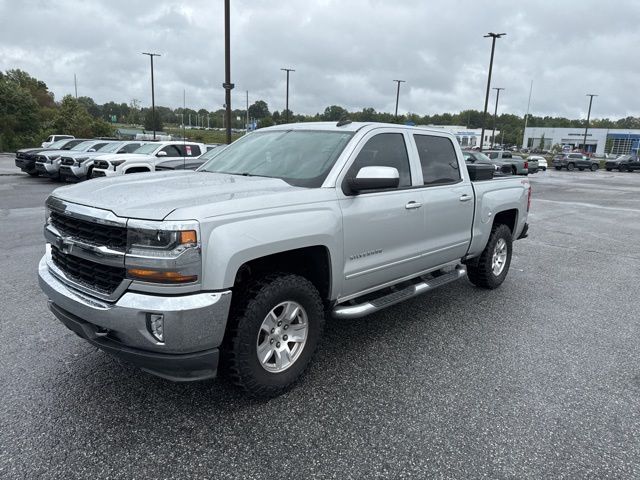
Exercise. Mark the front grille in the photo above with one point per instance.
(96, 276)
(90, 232)
(101, 164)
(66, 161)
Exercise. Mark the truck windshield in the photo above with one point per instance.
(111, 147)
(299, 157)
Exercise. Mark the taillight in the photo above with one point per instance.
(526, 164)
(529, 199)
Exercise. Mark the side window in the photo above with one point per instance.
(129, 148)
(98, 146)
(172, 151)
(189, 150)
(506, 155)
(493, 155)
(384, 150)
(438, 160)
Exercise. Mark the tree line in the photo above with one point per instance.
(29, 113)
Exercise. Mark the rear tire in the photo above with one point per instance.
(608, 169)
(558, 168)
(492, 266)
(594, 167)
(570, 167)
(284, 360)
(514, 171)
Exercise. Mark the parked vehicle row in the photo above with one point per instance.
(75, 159)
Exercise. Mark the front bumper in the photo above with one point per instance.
(194, 326)
(72, 172)
(47, 169)
(25, 165)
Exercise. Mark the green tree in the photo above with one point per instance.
(334, 113)
(259, 110)
(149, 122)
(90, 106)
(72, 118)
(19, 115)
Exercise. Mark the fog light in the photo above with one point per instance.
(155, 325)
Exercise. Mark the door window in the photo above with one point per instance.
(384, 150)
(172, 151)
(189, 150)
(438, 159)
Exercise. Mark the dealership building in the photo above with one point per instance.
(467, 137)
(617, 141)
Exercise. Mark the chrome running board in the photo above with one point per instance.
(356, 310)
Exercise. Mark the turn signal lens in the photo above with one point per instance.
(159, 276)
(188, 236)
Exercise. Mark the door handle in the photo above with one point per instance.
(465, 198)
(411, 205)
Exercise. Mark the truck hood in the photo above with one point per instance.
(153, 196)
(124, 156)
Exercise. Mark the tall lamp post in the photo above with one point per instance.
(398, 95)
(486, 98)
(227, 85)
(286, 111)
(584, 142)
(495, 114)
(153, 94)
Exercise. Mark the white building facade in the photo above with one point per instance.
(599, 140)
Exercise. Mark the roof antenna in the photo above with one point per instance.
(343, 121)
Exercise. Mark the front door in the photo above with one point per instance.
(383, 230)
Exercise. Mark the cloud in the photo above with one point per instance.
(344, 53)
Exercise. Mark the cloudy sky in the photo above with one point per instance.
(344, 52)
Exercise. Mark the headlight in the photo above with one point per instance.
(172, 241)
(54, 157)
(163, 252)
(47, 215)
(115, 163)
(81, 159)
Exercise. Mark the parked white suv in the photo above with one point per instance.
(145, 158)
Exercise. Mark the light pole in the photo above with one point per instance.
(227, 85)
(495, 114)
(526, 117)
(584, 142)
(153, 95)
(486, 98)
(398, 95)
(286, 111)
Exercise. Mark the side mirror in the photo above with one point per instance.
(374, 178)
(161, 153)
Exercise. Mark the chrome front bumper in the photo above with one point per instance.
(193, 323)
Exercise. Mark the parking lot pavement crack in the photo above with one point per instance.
(585, 250)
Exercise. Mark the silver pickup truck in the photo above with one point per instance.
(237, 264)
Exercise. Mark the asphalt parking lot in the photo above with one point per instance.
(537, 379)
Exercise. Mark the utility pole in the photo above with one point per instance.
(486, 98)
(398, 95)
(526, 117)
(247, 124)
(495, 114)
(584, 142)
(153, 95)
(227, 85)
(75, 84)
(286, 111)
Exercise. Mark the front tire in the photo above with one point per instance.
(594, 167)
(558, 168)
(492, 266)
(273, 333)
(571, 167)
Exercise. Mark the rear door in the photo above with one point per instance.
(447, 198)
